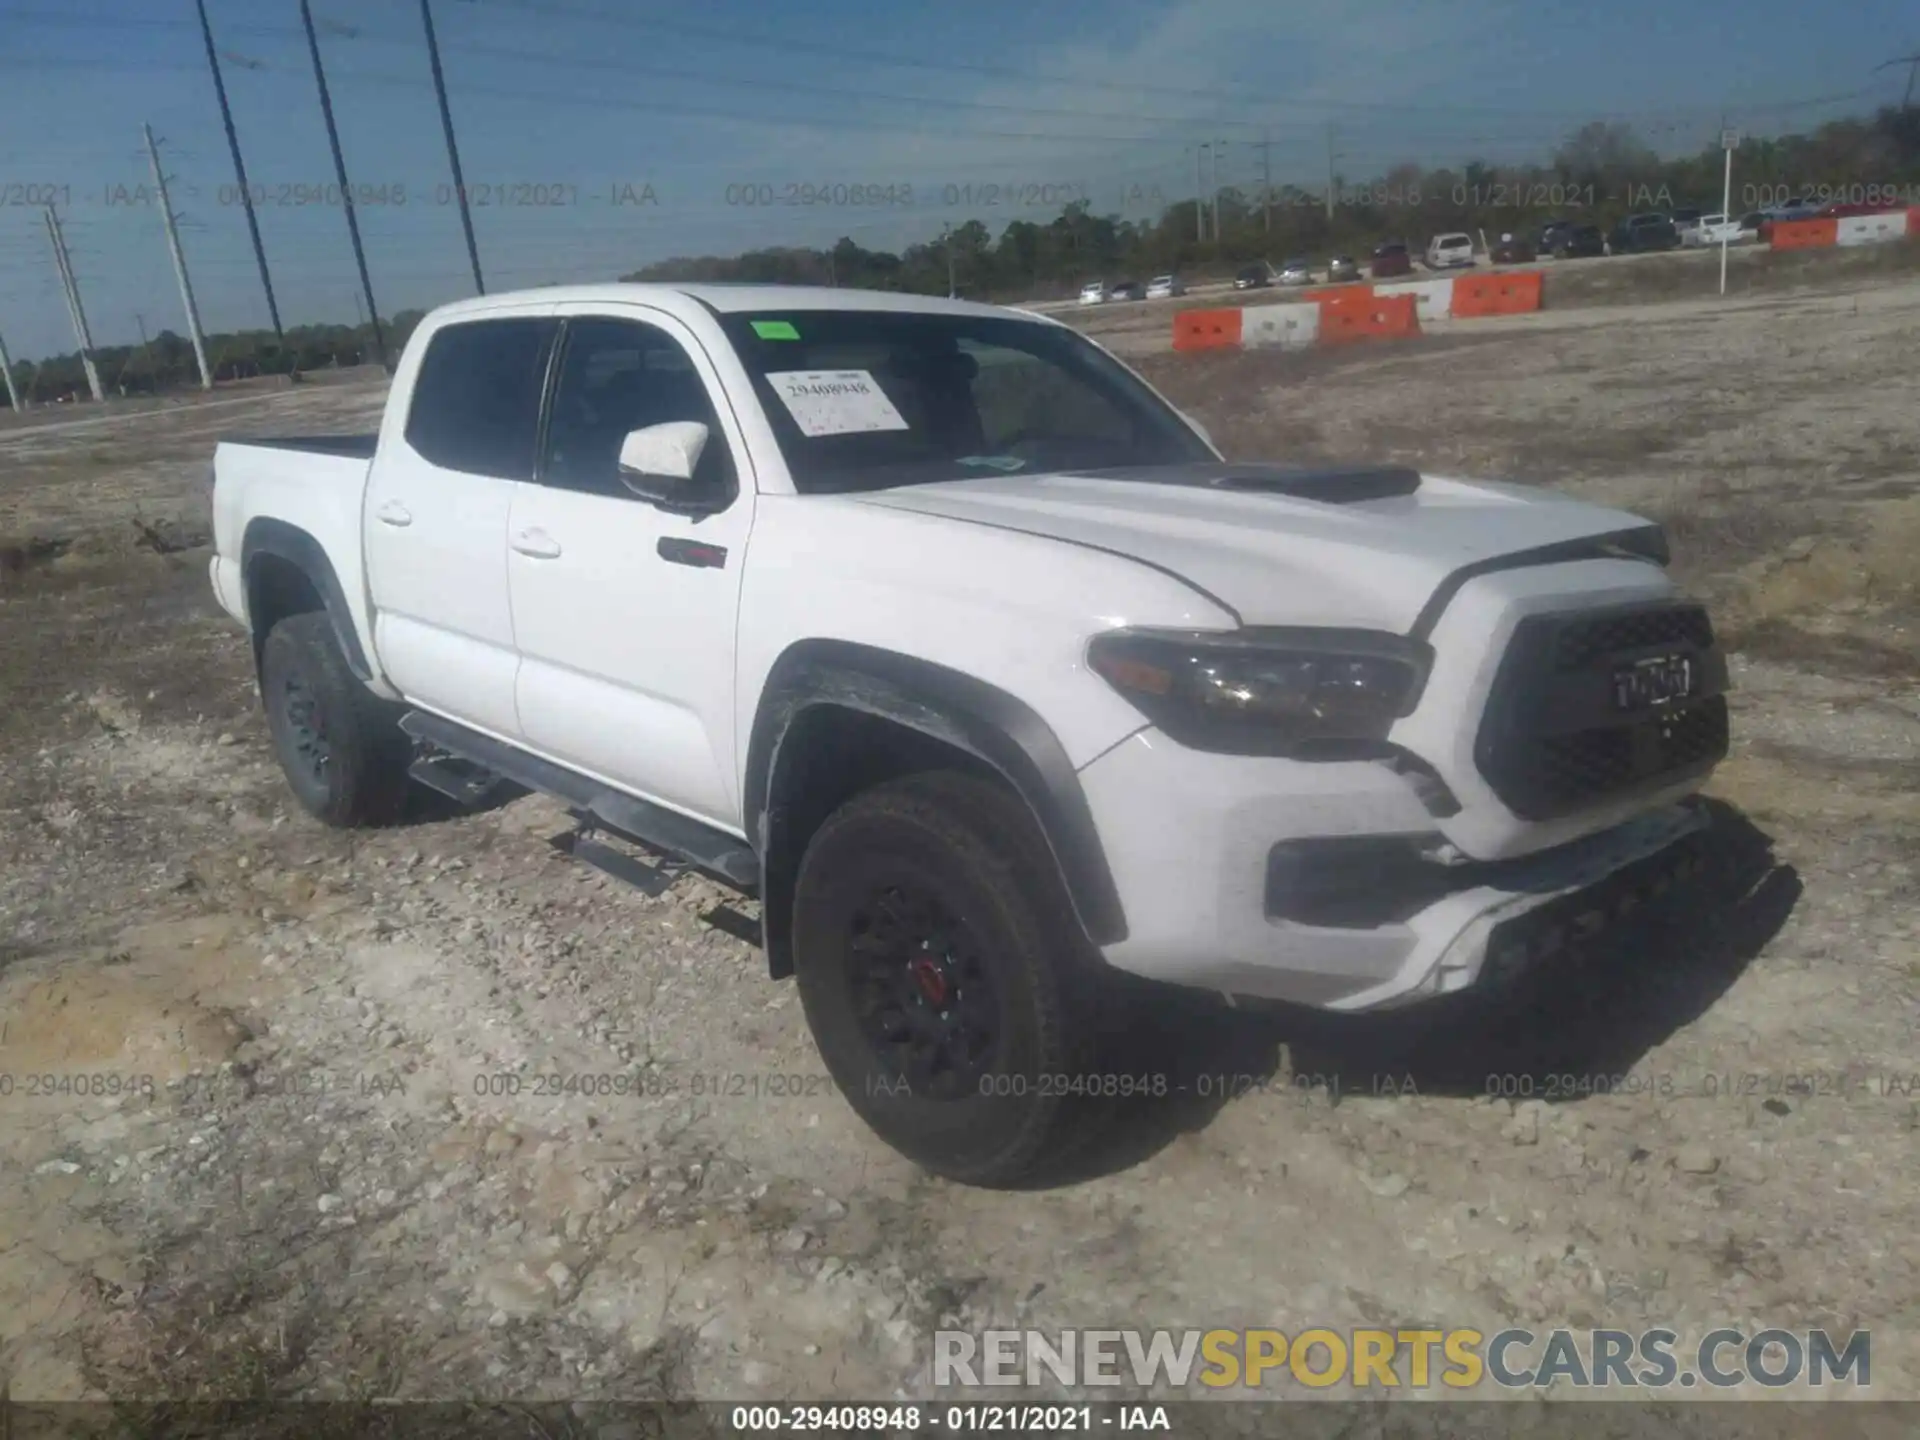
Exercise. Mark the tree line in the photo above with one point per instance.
(1599, 173)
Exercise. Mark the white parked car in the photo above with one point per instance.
(1715, 228)
(1165, 287)
(1449, 252)
(1094, 292)
(937, 630)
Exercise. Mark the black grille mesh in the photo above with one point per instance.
(1581, 642)
(1552, 742)
(1559, 773)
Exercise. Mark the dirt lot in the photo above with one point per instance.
(342, 1181)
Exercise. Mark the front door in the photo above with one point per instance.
(624, 613)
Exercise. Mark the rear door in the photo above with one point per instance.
(436, 516)
(625, 612)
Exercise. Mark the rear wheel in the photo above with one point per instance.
(340, 745)
(946, 984)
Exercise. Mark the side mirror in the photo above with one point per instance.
(658, 463)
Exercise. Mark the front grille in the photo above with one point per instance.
(1580, 642)
(1553, 741)
(1542, 776)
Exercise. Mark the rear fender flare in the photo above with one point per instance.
(278, 538)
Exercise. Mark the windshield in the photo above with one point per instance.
(870, 399)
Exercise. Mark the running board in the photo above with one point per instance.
(693, 841)
(458, 780)
(649, 878)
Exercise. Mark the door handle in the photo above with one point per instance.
(393, 513)
(536, 544)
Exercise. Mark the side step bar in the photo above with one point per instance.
(698, 844)
(458, 780)
(648, 877)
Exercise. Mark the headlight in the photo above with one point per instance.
(1302, 693)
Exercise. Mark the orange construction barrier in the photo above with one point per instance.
(1206, 330)
(1479, 295)
(1362, 315)
(1805, 234)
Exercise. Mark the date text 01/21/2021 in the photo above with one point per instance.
(1044, 1419)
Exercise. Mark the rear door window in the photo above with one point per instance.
(476, 399)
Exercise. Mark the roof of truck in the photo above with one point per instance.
(733, 299)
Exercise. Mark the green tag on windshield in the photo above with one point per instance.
(775, 330)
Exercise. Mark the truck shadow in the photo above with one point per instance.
(1591, 1015)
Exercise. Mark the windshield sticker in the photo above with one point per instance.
(835, 402)
(775, 330)
(1006, 464)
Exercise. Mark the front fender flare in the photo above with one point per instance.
(982, 720)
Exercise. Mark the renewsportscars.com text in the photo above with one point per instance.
(1416, 1359)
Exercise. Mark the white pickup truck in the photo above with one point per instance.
(936, 629)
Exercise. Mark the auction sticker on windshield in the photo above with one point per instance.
(835, 402)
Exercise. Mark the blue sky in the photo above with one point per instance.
(597, 100)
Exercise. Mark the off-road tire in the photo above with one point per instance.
(973, 846)
(340, 745)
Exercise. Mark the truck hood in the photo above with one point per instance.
(1276, 546)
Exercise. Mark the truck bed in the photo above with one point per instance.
(354, 447)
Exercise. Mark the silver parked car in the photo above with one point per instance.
(1165, 287)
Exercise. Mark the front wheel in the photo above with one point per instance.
(340, 745)
(947, 986)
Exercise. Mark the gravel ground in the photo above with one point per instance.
(353, 1173)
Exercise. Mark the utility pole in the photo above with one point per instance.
(1729, 141)
(6, 369)
(1266, 184)
(946, 244)
(453, 150)
(1199, 203)
(1219, 149)
(1912, 62)
(74, 310)
(240, 175)
(346, 188)
(179, 261)
(1329, 171)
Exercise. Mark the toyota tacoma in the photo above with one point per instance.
(936, 630)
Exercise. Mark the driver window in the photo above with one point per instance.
(1020, 397)
(618, 376)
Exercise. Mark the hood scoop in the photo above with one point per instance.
(1332, 485)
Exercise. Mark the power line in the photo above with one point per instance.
(1912, 62)
(788, 44)
(240, 170)
(453, 150)
(1257, 96)
(346, 187)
